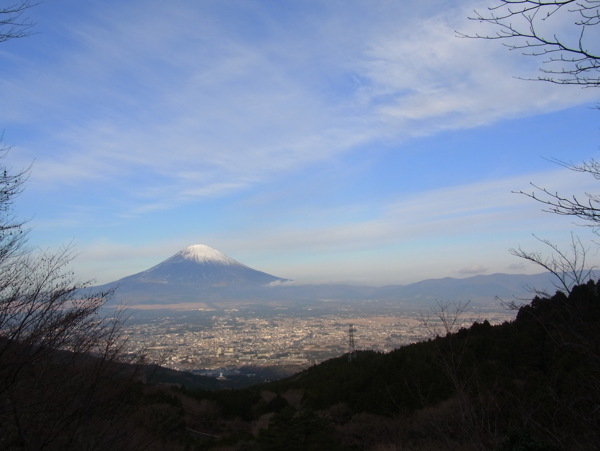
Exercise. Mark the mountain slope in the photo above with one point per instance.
(201, 266)
(194, 274)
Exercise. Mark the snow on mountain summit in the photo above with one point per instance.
(201, 253)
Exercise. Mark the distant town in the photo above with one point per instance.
(208, 342)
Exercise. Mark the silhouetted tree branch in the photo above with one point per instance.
(570, 267)
(13, 24)
(63, 381)
(587, 208)
(444, 318)
(535, 27)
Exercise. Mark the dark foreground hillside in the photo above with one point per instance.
(532, 384)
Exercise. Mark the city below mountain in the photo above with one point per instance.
(199, 276)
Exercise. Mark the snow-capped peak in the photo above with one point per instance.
(201, 253)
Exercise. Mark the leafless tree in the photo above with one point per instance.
(66, 378)
(572, 56)
(536, 27)
(564, 32)
(569, 267)
(444, 318)
(473, 412)
(63, 381)
(585, 207)
(60, 359)
(444, 321)
(13, 23)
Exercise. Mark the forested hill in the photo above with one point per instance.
(533, 383)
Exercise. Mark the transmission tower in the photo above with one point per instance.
(352, 349)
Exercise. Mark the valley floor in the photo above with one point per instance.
(223, 340)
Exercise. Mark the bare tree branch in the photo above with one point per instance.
(445, 318)
(587, 209)
(570, 267)
(60, 358)
(13, 24)
(524, 26)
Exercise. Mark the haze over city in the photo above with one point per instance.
(346, 141)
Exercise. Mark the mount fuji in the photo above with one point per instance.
(202, 266)
(197, 273)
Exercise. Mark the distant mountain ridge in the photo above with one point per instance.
(200, 274)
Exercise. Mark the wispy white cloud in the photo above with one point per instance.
(185, 92)
(472, 270)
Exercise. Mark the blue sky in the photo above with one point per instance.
(322, 141)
